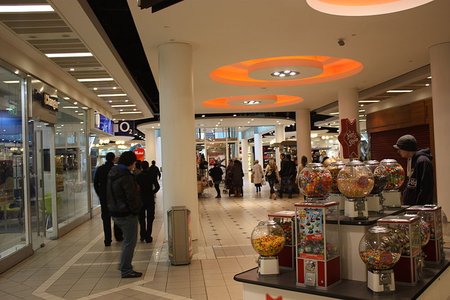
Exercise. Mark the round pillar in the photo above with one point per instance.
(258, 147)
(244, 147)
(279, 137)
(303, 131)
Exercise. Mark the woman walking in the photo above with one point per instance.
(272, 177)
(257, 175)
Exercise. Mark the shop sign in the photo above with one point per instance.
(48, 102)
(103, 123)
(124, 128)
(140, 153)
(349, 138)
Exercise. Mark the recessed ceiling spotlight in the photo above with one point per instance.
(234, 115)
(251, 102)
(72, 69)
(285, 73)
(203, 116)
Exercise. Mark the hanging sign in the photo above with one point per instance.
(140, 153)
(124, 128)
(349, 138)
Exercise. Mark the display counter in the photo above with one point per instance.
(283, 286)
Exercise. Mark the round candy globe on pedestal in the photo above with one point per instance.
(355, 180)
(395, 174)
(315, 181)
(334, 169)
(379, 176)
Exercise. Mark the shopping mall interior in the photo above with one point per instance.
(184, 82)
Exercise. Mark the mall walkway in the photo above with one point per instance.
(78, 266)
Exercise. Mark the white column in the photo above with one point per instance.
(158, 155)
(440, 72)
(244, 147)
(150, 143)
(303, 131)
(178, 130)
(348, 108)
(279, 137)
(258, 147)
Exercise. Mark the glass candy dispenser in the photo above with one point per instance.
(432, 214)
(318, 257)
(406, 230)
(286, 220)
(315, 182)
(355, 182)
(268, 240)
(375, 198)
(335, 194)
(380, 251)
(395, 179)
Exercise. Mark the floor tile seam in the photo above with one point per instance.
(154, 259)
(53, 278)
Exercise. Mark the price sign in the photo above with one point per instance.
(349, 138)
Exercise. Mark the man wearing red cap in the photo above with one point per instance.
(419, 189)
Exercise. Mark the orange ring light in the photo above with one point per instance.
(363, 7)
(267, 101)
(333, 68)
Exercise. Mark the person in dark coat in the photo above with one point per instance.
(216, 176)
(155, 170)
(149, 186)
(228, 178)
(420, 185)
(288, 172)
(100, 181)
(237, 175)
(124, 204)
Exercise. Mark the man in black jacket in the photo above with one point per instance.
(100, 181)
(124, 204)
(149, 186)
(420, 186)
(288, 172)
(216, 175)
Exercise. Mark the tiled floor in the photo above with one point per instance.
(78, 266)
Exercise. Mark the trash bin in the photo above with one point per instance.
(180, 242)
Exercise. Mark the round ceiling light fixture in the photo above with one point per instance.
(284, 73)
(311, 70)
(249, 102)
(363, 7)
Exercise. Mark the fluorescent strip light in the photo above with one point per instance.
(334, 113)
(111, 95)
(123, 105)
(70, 107)
(11, 81)
(369, 101)
(399, 91)
(95, 79)
(75, 54)
(129, 112)
(25, 8)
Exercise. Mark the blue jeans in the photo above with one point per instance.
(129, 226)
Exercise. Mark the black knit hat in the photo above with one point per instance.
(406, 142)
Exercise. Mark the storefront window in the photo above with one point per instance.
(12, 228)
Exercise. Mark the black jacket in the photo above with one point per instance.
(288, 169)
(148, 186)
(420, 186)
(216, 173)
(122, 192)
(101, 180)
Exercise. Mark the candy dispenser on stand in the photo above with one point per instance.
(315, 182)
(375, 198)
(268, 240)
(406, 230)
(286, 219)
(432, 214)
(318, 257)
(395, 178)
(355, 181)
(380, 251)
(335, 194)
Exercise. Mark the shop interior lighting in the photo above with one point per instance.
(284, 73)
(251, 102)
(95, 79)
(369, 101)
(129, 112)
(75, 107)
(73, 54)
(25, 8)
(399, 91)
(334, 113)
(111, 95)
(122, 105)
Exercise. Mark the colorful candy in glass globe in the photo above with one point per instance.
(355, 180)
(268, 238)
(425, 232)
(378, 249)
(334, 169)
(379, 176)
(315, 181)
(395, 174)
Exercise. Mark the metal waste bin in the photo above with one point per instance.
(180, 242)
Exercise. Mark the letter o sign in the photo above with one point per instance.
(124, 127)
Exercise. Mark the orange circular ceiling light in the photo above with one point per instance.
(252, 102)
(363, 7)
(312, 69)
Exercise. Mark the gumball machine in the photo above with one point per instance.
(375, 198)
(315, 182)
(434, 249)
(355, 181)
(268, 240)
(335, 194)
(406, 230)
(380, 251)
(318, 257)
(395, 178)
(286, 220)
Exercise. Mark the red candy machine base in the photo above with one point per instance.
(434, 251)
(408, 269)
(318, 273)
